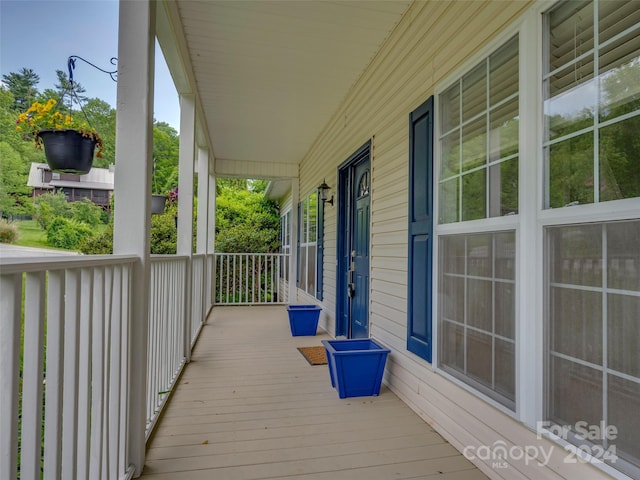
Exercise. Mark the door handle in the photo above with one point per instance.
(351, 288)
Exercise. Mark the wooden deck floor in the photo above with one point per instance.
(249, 406)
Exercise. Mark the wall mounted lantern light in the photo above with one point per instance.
(323, 191)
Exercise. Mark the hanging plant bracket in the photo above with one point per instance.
(71, 65)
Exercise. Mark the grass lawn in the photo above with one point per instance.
(31, 235)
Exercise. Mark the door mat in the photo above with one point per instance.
(314, 355)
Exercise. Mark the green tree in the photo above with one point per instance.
(246, 222)
(23, 87)
(102, 117)
(166, 151)
(14, 192)
(49, 206)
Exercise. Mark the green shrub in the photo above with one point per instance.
(87, 212)
(163, 238)
(163, 234)
(65, 233)
(101, 244)
(8, 232)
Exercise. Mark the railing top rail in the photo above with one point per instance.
(37, 264)
(155, 258)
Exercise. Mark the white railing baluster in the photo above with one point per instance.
(253, 278)
(123, 416)
(97, 375)
(32, 376)
(109, 461)
(229, 280)
(70, 393)
(115, 372)
(84, 372)
(11, 289)
(53, 380)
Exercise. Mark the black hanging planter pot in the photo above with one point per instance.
(68, 151)
(158, 203)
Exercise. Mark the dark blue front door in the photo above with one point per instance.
(353, 245)
(360, 252)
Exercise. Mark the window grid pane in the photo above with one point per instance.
(479, 124)
(593, 325)
(308, 244)
(592, 102)
(477, 312)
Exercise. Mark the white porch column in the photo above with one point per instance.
(203, 200)
(132, 221)
(185, 203)
(204, 216)
(211, 232)
(293, 258)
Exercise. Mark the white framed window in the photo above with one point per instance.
(307, 252)
(593, 355)
(573, 230)
(285, 243)
(478, 123)
(591, 84)
(479, 146)
(477, 312)
(591, 152)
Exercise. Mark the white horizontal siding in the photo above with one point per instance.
(431, 42)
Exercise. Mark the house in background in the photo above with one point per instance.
(97, 185)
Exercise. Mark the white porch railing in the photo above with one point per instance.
(63, 401)
(250, 278)
(64, 358)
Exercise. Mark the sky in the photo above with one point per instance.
(42, 34)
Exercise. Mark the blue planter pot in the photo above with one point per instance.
(356, 366)
(303, 319)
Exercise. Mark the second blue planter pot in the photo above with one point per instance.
(356, 366)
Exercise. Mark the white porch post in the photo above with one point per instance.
(211, 233)
(203, 224)
(134, 146)
(293, 258)
(185, 203)
(203, 200)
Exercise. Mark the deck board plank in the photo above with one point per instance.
(249, 406)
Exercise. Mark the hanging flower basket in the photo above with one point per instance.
(69, 143)
(68, 151)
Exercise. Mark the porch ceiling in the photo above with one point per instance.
(270, 74)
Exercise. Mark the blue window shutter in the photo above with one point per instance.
(420, 230)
